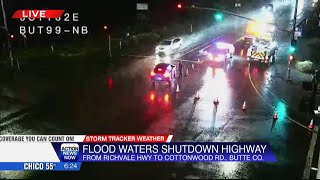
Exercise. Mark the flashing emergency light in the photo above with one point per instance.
(222, 45)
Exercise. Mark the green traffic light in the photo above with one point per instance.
(218, 16)
(292, 49)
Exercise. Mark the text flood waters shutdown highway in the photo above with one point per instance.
(169, 148)
(165, 152)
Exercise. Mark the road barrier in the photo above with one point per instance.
(244, 107)
(311, 124)
(177, 89)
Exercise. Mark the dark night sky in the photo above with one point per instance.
(92, 11)
(117, 14)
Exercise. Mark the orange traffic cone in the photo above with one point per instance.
(216, 101)
(311, 124)
(178, 89)
(275, 116)
(244, 107)
(197, 96)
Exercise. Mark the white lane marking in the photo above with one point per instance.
(288, 117)
(11, 121)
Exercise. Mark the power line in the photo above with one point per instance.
(237, 15)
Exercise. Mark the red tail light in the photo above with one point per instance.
(152, 73)
(166, 74)
(166, 98)
(152, 96)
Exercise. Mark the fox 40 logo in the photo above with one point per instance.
(69, 152)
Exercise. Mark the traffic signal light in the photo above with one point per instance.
(11, 36)
(218, 16)
(292, 49)
(105, 28)
(179, 5)
(293, 46)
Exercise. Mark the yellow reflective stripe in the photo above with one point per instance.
(259, 54)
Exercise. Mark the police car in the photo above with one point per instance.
(218, 53)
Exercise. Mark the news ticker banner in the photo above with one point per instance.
(67, 152)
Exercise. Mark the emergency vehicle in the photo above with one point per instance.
(262, 51)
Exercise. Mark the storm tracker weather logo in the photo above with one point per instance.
(69, 152)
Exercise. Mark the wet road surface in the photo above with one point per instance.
(123, 101)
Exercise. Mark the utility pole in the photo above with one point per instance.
(237, 6)
(109, 45)
(235, 14)
(295, 19)
(106, 30)
(6, 27)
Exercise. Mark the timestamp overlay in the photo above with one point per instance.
(49, 22)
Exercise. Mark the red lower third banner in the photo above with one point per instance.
(45, 14)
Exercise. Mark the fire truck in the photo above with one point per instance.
(262, 51)
(263, 33)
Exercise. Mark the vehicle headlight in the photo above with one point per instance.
(210, 56)
(272, 28)
(219, 57)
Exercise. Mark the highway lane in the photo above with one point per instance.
(117, 101)
(190, 121)
(120, 101)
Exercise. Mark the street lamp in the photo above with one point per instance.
(105, 28)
